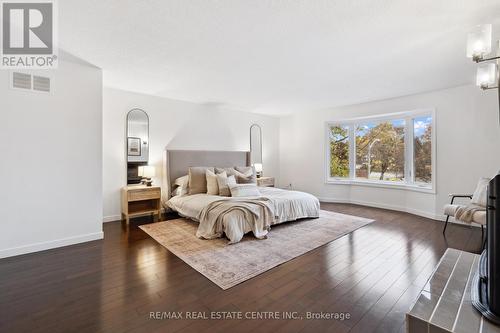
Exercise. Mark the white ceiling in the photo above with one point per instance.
(276, 57)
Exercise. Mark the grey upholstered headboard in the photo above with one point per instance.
(177, 162)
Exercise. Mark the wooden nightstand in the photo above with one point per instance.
(139, 200)
(265, 181)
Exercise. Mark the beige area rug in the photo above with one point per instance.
(228, 265)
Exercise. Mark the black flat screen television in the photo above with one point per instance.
(485, 291)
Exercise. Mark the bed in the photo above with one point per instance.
(287, 205)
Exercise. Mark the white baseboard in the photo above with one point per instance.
(429, 215)
(36, 247)
(111, 218)
(118, 217)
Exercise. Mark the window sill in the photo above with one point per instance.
(397, 185)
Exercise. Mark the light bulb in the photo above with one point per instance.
(486, 75)
(479, 42)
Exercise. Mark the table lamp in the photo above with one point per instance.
(258, 169)
(148, 172)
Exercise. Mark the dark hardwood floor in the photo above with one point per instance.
(374, 274)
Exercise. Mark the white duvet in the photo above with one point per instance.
(288, 206)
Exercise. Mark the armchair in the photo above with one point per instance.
(477, 206)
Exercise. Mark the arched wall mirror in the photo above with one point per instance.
(256, 148)
(137, 143)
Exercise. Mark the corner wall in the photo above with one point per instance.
(176, 125)
(51, 161)
(468, 147)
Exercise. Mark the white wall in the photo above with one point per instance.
(468, 147)
(50, 148)
(176, 125)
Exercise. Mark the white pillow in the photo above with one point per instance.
(212, 185)
(182, 181)
(224, 181)
(244, 190)
(480, 194)
(181, 186)
(178, 192)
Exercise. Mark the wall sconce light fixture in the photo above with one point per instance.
(479, 48)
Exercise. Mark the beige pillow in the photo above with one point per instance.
(229, 171)
(212, 185)
(245, 175)
(224, 181)
(247, 170)
(198, 179)
(480, 194)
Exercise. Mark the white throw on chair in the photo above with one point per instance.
(475, 211)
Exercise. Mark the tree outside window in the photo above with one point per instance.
(381, 150)
(339, 151)
(422, 151)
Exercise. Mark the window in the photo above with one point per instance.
(380, 150)
(390, 150)
(422, 149)
(339, 151)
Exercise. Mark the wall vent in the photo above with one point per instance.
(33, 83)
(21, 80)
(41, 83)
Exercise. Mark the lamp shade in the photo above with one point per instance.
(479, 41)
(258, 167)
(148, 171)
(140, 171)
(487, 75)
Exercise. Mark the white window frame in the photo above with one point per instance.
(409, 182)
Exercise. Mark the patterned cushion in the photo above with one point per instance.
(245, 175)
(244, 190)
(223, 181)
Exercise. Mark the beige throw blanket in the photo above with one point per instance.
(258, 212)
(465, 213)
